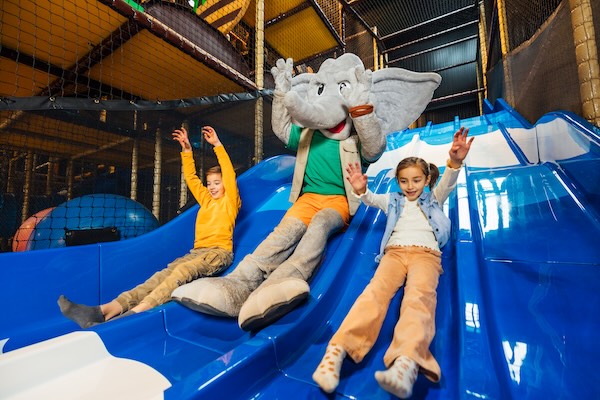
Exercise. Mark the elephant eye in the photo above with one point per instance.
(343, 86)
(320, 89)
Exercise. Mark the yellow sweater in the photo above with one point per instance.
(216, 218)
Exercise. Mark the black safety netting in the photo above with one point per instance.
(90, 92)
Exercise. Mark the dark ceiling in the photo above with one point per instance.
(429, 35)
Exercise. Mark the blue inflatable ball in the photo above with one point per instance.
(93, 211)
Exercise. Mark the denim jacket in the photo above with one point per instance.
(429, 202)
(435, 215)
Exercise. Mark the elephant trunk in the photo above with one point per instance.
(325, 114)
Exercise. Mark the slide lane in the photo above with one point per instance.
(535, 231)
(94, 274)
(515, 316)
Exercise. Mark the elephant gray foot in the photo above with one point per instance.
(206, 308)
(221, 296)
(272, 301)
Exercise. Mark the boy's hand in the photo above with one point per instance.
(181, 136)
(210, 135)
(357, 179)
(460, 147)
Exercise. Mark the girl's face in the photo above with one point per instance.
(214, 184)
(412, 181)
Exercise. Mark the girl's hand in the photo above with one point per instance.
(357, 179)
(181, 136)
(460, 147)
(210, 135)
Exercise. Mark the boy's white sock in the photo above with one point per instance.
(399, 378)
(327, 374)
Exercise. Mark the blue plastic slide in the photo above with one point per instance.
(517, 303)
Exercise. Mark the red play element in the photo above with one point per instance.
(25, 231)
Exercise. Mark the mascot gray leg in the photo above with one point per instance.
(224, 296)
(287, 286)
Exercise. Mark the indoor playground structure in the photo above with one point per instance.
(92, 201)
(513, 314)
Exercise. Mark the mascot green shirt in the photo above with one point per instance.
(324, 168)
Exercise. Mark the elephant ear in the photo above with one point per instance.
(400, 96)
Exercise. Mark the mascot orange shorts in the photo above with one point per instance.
(309, 204)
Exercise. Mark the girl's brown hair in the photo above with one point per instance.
(429, 170)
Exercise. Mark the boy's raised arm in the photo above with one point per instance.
(227, 170)
(193, 182)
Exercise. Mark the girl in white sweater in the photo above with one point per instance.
(416, 230)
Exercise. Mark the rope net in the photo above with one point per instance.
(91, 90)
(539, 71)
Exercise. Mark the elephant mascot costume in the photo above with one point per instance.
(338, 115)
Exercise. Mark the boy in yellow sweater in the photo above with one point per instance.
(219, 204)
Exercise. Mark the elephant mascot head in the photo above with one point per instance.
(325, 100)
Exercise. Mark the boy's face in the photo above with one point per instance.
(214, 184)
